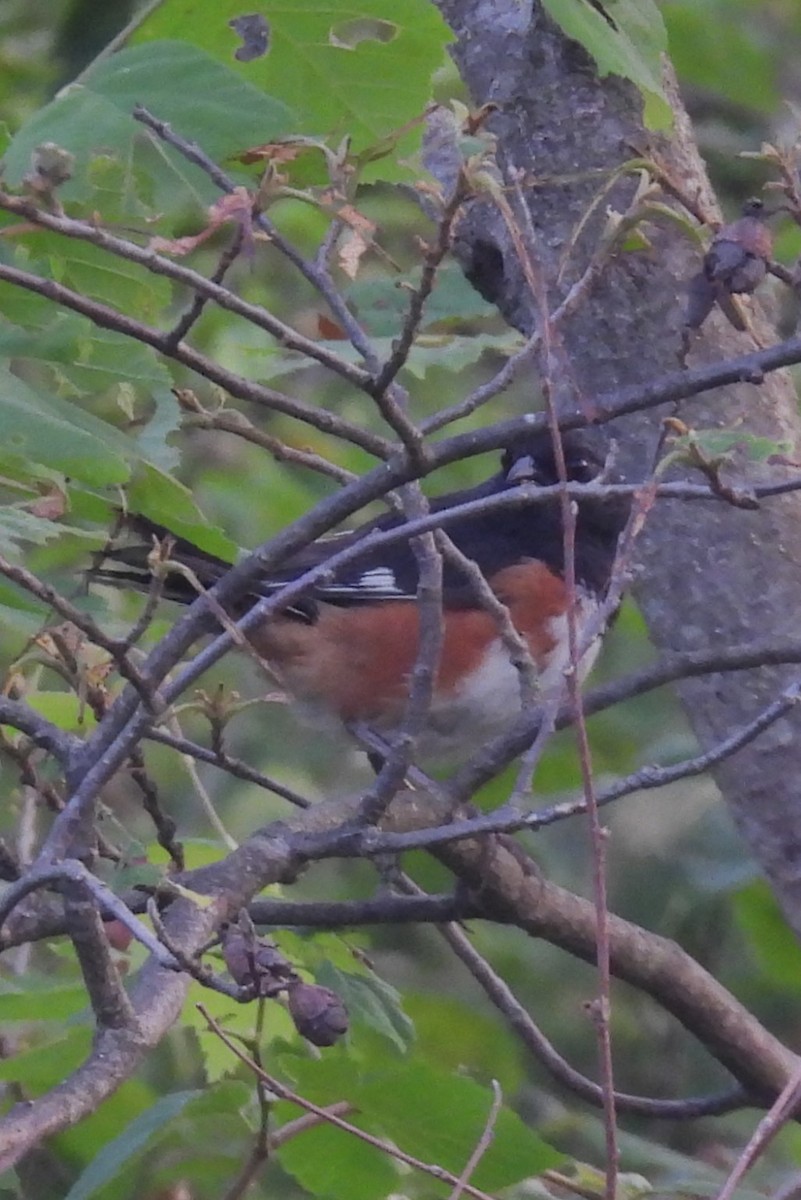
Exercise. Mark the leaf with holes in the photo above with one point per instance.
(361, 70)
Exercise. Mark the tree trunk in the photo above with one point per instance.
(713, 574)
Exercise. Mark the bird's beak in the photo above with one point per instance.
(523, 470)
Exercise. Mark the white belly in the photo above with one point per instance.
(488, 702)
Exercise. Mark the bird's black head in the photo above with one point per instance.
(600, 519)
(755, 207)
(532, 459)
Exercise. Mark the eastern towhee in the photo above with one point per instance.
(347, 648)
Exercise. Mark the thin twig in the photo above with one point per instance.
(376, 842)
(106, 317)
(43, 733)
(511, 639)
(432, 261)
(81, 620)
(315, 273)
(165, 826)
(284, 1093)
(654, 777)
(301, 1125)
(72, 871)
(483, 1144)
(193, 313)
(233, 766)
(202, 794)
(208, 289)
(263, 1144)
(193, 964)
(431, 636)
(143, 621)
(521, 231)
(771, 1124)
(520, 361)
(232, 421)
(543, 1050)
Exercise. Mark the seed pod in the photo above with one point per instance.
(318, 1013)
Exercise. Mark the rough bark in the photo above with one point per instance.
(710, 578)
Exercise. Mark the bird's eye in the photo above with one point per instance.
(581, 470)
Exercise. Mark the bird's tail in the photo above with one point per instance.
(140, 552)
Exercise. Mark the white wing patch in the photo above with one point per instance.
(378, 582)
(379, 579)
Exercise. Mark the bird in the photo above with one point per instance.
(346, 649)
(735, 263)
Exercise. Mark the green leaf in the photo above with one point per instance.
(25, 308)
(48, 1064)
(105, 277)
(309, 951)
(200, 852)
(19, 612)
(237, 1019)
(18, 621)
(453, 1034)
(54, 432)
(361, 70)
(57, 433)
(64, 709)
(704, 44)
(222, 1099)
(46, 336)
(435, 1115)
(325, 1160)
(330, 1162)
(79, 1144)
(439, 1117)
(110, 358)
(20, 527)
(40, 1000)
(159, 496)
(628, 38)
(590, 1180)
(717, 443)
(93, 116)
(382, 304)
(201, 1146)
(772, 942)
(371, 1001)
(715, 446)
(86, 359)
(137, 875)
(122, 190)
(151, 441)
(141, 1134)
